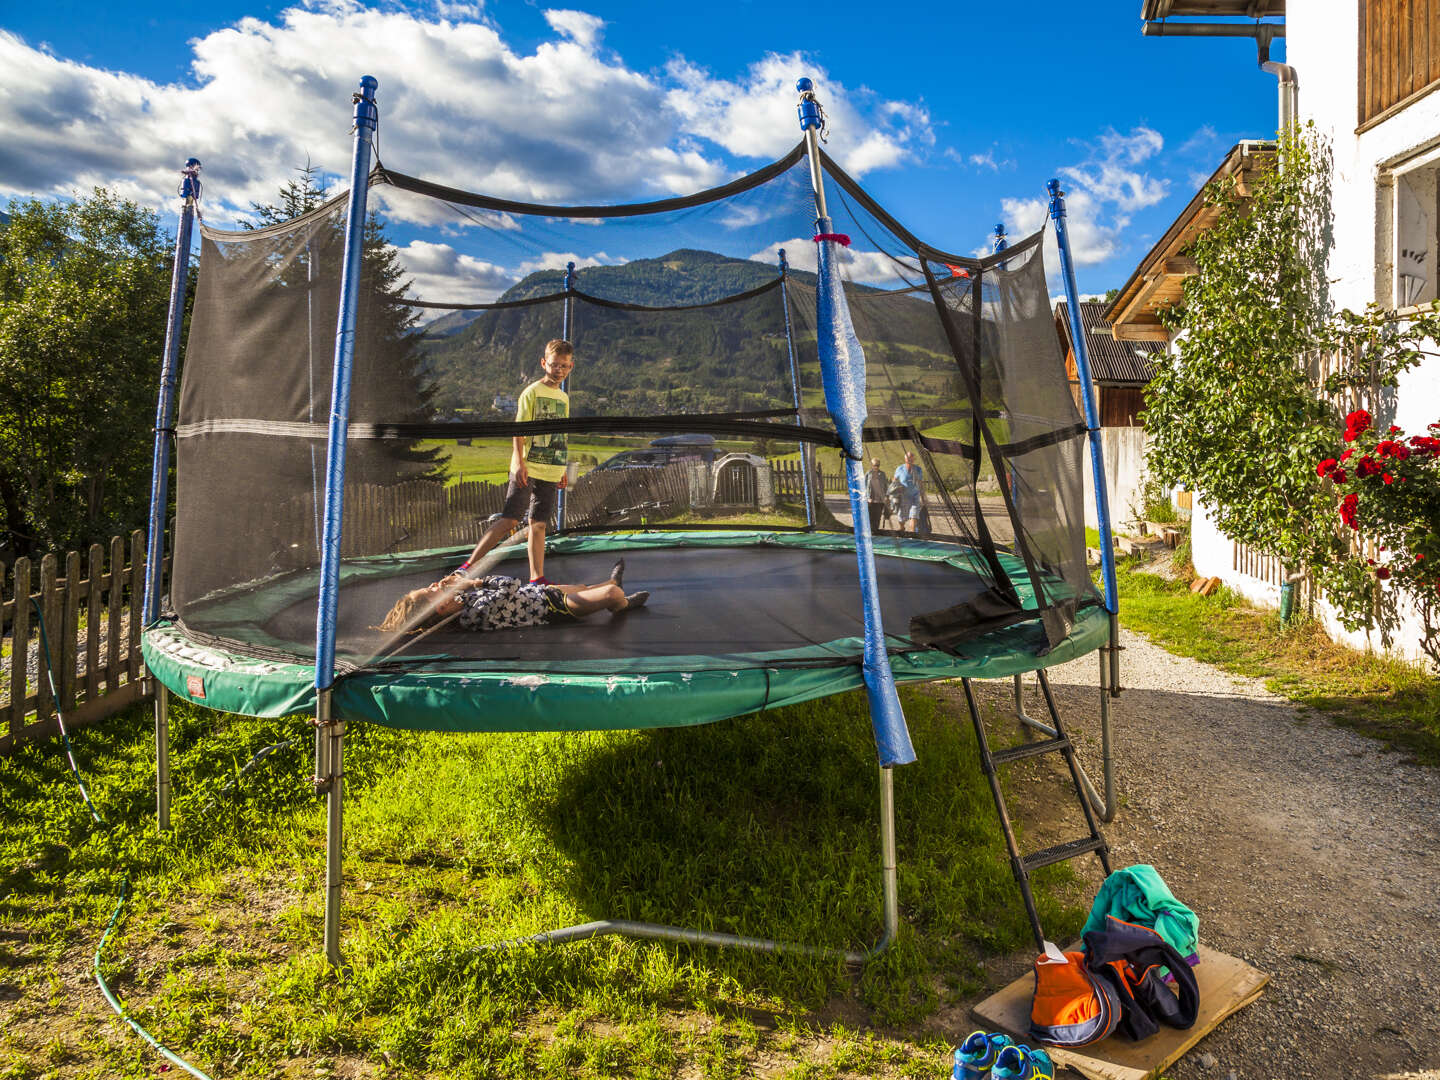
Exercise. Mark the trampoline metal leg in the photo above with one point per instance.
(889, 876)
(1104, 807)
(162, 756)
(329, 751)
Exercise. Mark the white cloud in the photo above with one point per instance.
(979, 161)
(1204, 138)
(1092, 240)
(440, 274)
(755, 116)
(867, 267)
(1110, 171)
(579, 27)
(567, 121)
(556, 260)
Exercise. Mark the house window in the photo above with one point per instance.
(1409, 220)
(1415, 221)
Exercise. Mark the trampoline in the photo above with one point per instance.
(337, 419)
(739, 622)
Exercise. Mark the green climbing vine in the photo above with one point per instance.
(1239, 412)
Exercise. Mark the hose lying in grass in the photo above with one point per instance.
(110, 997)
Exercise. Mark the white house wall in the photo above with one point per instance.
(1124, 449)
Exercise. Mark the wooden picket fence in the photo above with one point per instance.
(790, 484)
(91, 636)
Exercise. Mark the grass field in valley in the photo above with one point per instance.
(766, 825)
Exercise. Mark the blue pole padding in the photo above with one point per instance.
(1087, 396)
(842, 370)
(892, 736)
(165, 405)
(565, 385)
(795, 388)
(367, 119)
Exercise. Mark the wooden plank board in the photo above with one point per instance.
(1227, 985)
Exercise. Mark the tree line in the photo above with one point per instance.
(84, 296)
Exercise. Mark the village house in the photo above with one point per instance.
(1367, 74)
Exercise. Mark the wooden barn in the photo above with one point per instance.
(1120, 369)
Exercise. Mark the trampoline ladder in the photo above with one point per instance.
(1023, 865)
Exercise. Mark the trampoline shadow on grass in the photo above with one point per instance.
(765, 825)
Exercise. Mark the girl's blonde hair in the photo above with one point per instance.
(406, 608)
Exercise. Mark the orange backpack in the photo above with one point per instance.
(1070, 1007)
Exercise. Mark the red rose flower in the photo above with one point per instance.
(1368, 467)
(1325, 466)
(1356, 423)
(1383, 573)
(1346, 455)
(1347, 510)
(1339, 475)
(1387, 478)
(1393, 430)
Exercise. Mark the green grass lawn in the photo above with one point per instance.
(766, 825)
(1384, 698)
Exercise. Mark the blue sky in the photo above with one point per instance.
(952, 116)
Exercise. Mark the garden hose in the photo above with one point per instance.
(110, 997)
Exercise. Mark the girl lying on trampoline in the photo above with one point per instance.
(497, 602)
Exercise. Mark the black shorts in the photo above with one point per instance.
(556, 609)
(537, 497)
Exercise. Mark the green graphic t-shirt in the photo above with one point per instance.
(545, 458)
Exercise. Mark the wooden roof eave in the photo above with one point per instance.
(1159, 281)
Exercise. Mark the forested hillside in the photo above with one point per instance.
(723, 358)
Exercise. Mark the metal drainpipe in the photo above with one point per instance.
(1288, 84)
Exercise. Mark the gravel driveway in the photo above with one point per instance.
(1306, 850)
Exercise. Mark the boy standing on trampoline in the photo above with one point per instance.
(537, 464)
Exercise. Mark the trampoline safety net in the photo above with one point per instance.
(697, 426)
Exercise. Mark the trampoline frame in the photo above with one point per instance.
(892, 738)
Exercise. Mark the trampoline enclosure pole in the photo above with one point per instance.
(1109, 672)
(842, 369)
(366, 121)
(160, 470)
(329, 730)
(165, 405)
(1087, 395)
(565, 324)
(807, 452)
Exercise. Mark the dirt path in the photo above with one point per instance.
(1307, 850)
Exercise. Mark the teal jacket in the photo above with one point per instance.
(1139, 895)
